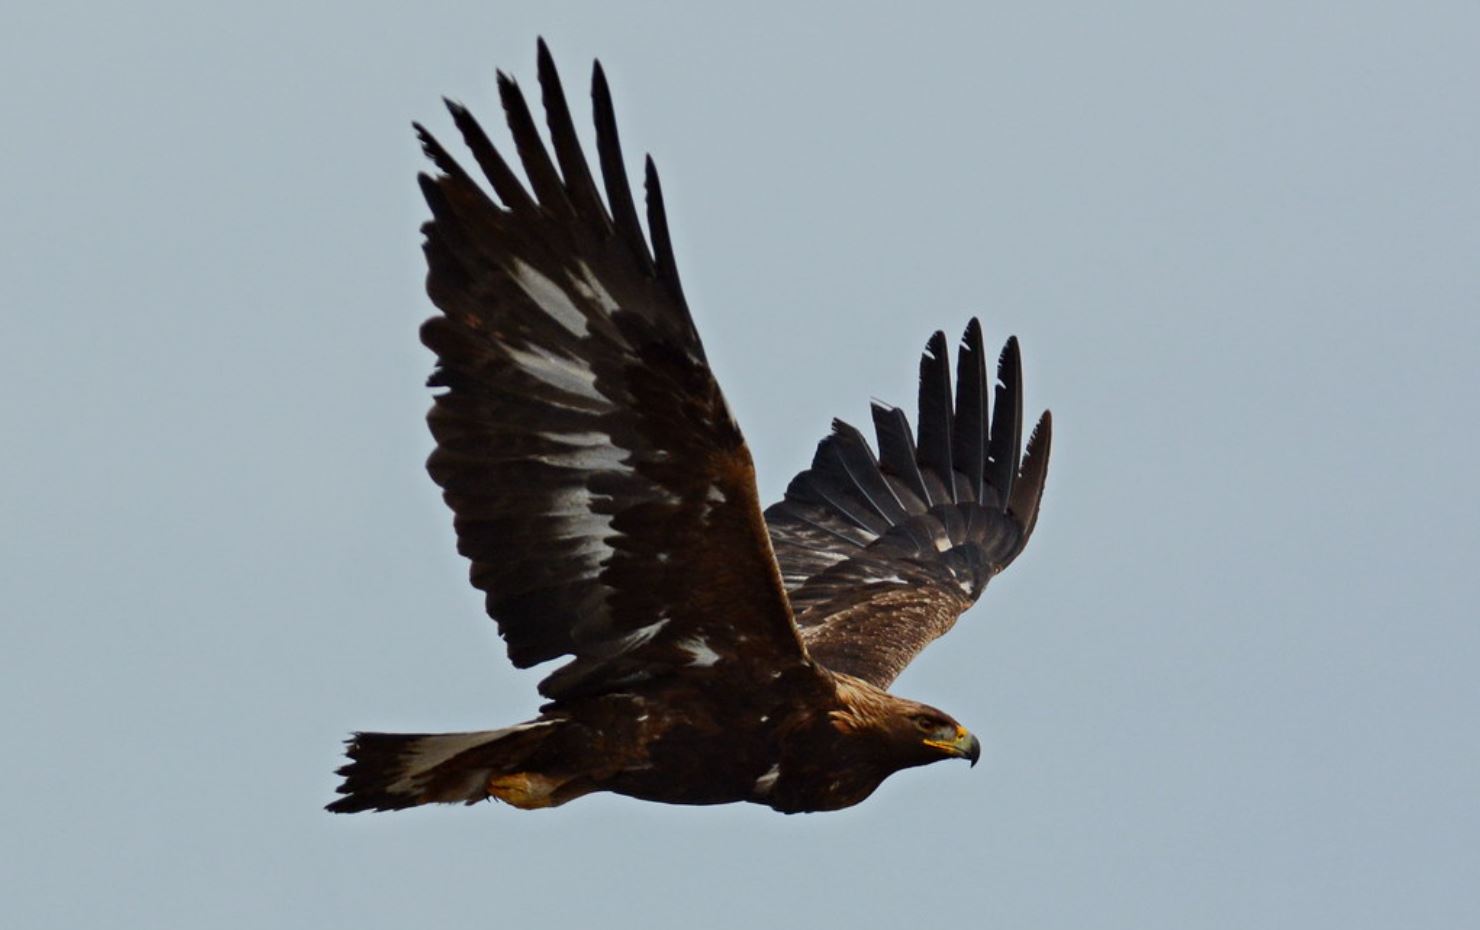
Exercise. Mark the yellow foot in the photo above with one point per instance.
(527, 790)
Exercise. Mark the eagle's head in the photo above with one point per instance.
(902, 733)
(838, 759)
(932, 735)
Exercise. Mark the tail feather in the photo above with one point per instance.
(393, 771)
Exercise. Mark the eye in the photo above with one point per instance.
(927, 724)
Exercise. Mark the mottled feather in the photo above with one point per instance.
(588, 455)
(874, 577)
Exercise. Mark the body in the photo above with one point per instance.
(826, 749)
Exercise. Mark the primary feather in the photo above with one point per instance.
(882, 555)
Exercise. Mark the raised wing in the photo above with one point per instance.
(880, 555)
(599, 483)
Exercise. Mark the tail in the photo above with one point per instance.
(392, 771)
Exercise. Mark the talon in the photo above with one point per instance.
(524, 790)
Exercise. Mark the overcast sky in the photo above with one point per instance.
(1233, 682)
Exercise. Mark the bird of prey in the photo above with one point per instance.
(607, 502)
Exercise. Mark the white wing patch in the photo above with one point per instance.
(573, 508)
(766, 782)
(589, 451)
(641, 635)
(550, 297)
(571, 375)
(588, 287)
(701, 656)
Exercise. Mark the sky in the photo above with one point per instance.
(1232, 682)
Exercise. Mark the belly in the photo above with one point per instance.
(689, 765)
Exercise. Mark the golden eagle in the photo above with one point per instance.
(607, 502)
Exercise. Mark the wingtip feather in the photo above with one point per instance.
(970, 427)
(614, 171)
(1004, 447)
(667, 267)
(1027, 491)
(934, 438)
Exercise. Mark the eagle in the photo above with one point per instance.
(607, 502)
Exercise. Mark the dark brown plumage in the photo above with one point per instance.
(607, 502)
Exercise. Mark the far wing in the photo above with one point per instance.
(881, 554)
(600, 487)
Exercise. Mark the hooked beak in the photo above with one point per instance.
(964, 746)
(973, 749)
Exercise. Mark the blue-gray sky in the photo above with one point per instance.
(1232, 682)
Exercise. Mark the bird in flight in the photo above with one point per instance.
(606, 499)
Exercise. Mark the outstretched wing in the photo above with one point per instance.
(880, 555)
(599, 484)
